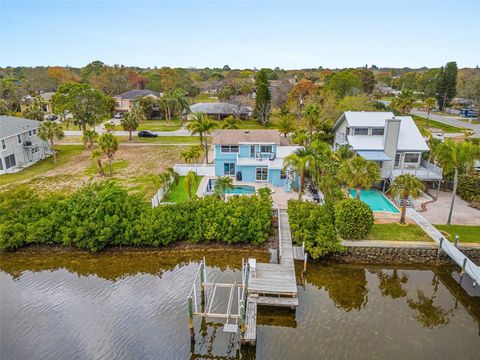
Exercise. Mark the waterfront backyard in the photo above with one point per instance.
(51, 300)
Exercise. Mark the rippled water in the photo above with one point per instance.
(57, 305)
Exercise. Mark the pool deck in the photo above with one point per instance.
(279, 196)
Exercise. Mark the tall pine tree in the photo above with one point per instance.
(447, 84)
(263, 97)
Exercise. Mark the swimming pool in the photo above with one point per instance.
(376, 200)
(241, 189)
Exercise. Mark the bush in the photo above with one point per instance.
(102, 215)
(313, 224)
(469, 187)
(353, 219)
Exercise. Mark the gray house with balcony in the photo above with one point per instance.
(20, 145)
(393, 142)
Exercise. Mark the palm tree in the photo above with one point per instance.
(109, 127)
(429, 103)
(404, 102)
(192, 154)
(109, 145)
(286, 124)
(454, 157)
(230, 123)
(311, 118)
(179, 102)
(89, 138)
(51, 131)
(97, 158)
(132, 119)
(301, 160)
(359, 173)
(222, 184)
(191, 181)
(405, 186)
(195, 125)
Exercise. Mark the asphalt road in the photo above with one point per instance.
(449, 121)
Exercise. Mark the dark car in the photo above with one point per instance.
(147, 133)
(52, 117)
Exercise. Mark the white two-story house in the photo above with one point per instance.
(20, 145)
(393, 142)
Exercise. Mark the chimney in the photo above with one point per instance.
(390, 140)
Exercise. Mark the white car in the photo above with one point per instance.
(438, 136)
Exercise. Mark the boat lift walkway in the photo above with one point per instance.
(467, 265)
(261, 284)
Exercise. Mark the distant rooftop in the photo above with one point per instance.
(233, 137)
(134, 94)
(10, 125)
(219, 108)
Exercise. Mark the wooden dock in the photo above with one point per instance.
(272, 284)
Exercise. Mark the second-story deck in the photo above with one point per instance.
(426, 171)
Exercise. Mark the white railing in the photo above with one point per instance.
(199, 169)
(422, 172)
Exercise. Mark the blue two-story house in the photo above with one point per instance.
(253, 156)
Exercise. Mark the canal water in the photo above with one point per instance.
(132, 305)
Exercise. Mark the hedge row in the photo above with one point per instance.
(314, 225)
(321, 226)
(469, 188)
(102, 215)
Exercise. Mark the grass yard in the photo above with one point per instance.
(466, 233)
(156, 125)
(194, 140)
(202, 98)
(179, 192)
(397, 232)
(65, 154)
(422, 124)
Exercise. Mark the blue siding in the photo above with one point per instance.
(274, 177)
(248, 173)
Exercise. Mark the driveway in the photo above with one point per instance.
(437, 212)
(449, 121)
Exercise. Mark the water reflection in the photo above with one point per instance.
(133, 305)
(426, 312)
(346, 285)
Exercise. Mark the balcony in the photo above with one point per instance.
(426, 171)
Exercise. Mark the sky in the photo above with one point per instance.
(242, 34)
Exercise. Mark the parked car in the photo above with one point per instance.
(51, 117)
(118, 116)
(147, 133)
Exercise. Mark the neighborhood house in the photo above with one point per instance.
(253, 156)
(126, 101)
(220, 110)
(20, 145)
(393, 142)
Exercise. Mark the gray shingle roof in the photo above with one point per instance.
(219, 108)
(234, 137)
(10, 125)
(134, 94)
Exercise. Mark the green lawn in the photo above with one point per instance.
(465, 233)
(179, 192)
(422, 124)
(202, 98)
(397, 232)
(156, 125)
(247, 125)
(64, 154)
(163, 140)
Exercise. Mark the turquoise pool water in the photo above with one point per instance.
(375, 199)
(241, 189)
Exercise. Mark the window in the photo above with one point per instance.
(229, 149)
(360, 131)
(34, 131)
(411, 158)
(29, 132)
(348, 131)
(229, 169)
(266, 148)
(283, 174)
(261, 174)
(10, 161)
(252, 151)
(1, 164)
(378, 131)
(4, 145)
(19, 138)
(397, 160)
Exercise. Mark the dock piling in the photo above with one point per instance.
(190, 318)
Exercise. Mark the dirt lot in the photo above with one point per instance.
(133, 167)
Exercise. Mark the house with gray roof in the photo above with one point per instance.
(219, 110)
(20, 145)
(126, 101)
(393, 142)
